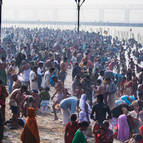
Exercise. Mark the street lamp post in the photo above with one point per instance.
(79, 4)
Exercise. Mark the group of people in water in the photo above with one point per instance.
(106, 93)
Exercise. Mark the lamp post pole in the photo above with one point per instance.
(78, 20)
(79, 4)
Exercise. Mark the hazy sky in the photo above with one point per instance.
(66, 2)
(65, 10)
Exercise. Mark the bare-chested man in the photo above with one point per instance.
(11, 71)
(59, 91)
(140, 89)
(16, 98)
(134, 84)
(25, 70)
(16, 83)
(141, 76)
(63, 68)
(100, 89)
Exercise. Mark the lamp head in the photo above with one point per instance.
(77, 1)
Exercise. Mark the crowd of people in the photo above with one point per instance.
(106, 90)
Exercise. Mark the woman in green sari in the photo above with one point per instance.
(79, 136)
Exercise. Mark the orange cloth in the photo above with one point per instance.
(31, 123)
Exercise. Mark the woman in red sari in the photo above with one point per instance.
(97, 131)
(71, 128)
(30, 133)
(103, 134)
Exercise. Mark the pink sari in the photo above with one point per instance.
(123, 128)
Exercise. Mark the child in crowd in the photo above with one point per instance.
(45, 98)
(28, 102)
(36, 100)
(96, 131)
(102, 133)
(66, 93)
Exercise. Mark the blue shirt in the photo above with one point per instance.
(52, 83)
(69, 103)
(125, 98)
